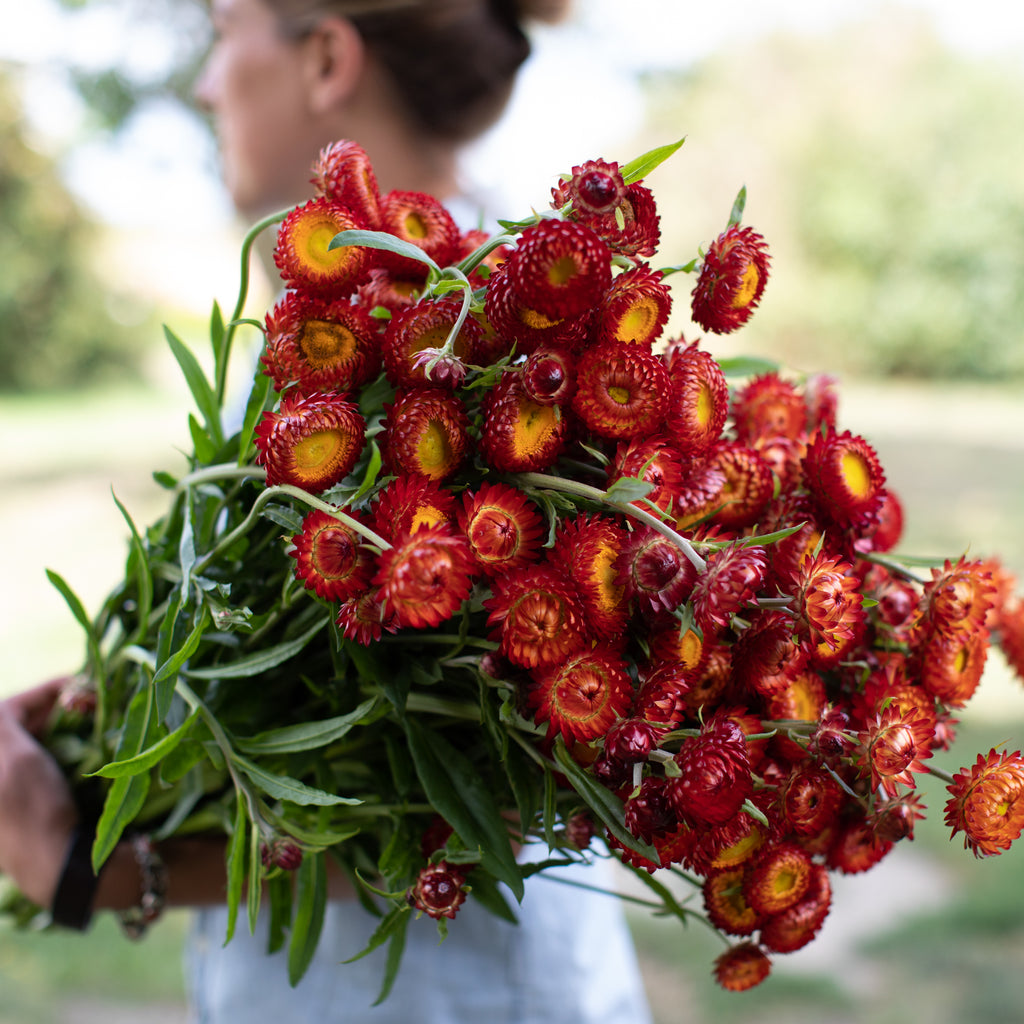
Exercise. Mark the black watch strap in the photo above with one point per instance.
(76, 889)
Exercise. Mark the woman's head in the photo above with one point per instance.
(408, 79)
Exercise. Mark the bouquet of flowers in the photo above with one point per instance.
(488, 561)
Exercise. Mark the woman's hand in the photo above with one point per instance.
(37, 813)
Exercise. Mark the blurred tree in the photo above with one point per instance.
(57, 328)
(884, 169)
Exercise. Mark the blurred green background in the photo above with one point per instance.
(883, 165)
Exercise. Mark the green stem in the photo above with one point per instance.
(941, 773)
(222, 471)
(649, 904)
(564, 486)
(243, 293)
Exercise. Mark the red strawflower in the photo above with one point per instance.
(559, 268)
(648, 813)
(777, 878)
(424, 578)
(585, 548)
(653, 571)
(425, 432)
(549, 375)
(594, 188)
(809, 800)
(831, 738)
(893, 820)
(889, 530)
(766, 407)
(742, 967)
(895, 744)
(319, 344)
(343, 173)
(631, 739)
(330, 556)
(439, 890)
(765, 657)
(537, 615)
(726, 906)
(311, 442)
(634, 228)
(635, 308)
(987, 802)
(845, 478)
(660, 697)
(410, 501)
(518, 435)
(793, 928)
(747, 486)
(687, 651)
(829, 601)
(302, 254)
(855, 847)
(731, 579)
(803, 700)
(951, 664)
(362, 619)
(656, 461)
(281, 853)
(504, 528)
(822, 403)
(381, 288)
(731, 281)
(421, 329)
(584, 695)
(699, 404)
(422, 220)
(622, 390)
(714, 775)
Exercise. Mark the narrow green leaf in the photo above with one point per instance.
(681, 268)
(143, 576)
(261, 389)
(740, 202)
(628, 489)
(279, 889)
(747, 366)
(605, 804)
(125, 799)
(283, 787)
(310, 905)
(307, 736)
(71, 598)
(150, 756)
(202, 443)
(484, 890)
(459, 795)
(203, 394)
(236, 864)
(383, 240)
(167, 673)
(396, 948)
(646, 162)
(550, 808)
(217, 338)
(259, 662)
(254, 891)
(395, 920)
(373, 467)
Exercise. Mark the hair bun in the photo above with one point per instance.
(548, 11)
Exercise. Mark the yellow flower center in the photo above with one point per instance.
(705, 405)
(317, 451)
(534, 426)
(426, 515)
(310, 239)
(415, 226)
(618, 394)
(562, 271)
(326, 344)
(638, 321)
(748, 287)
(856, 474)
(434, 451)
(536, 321)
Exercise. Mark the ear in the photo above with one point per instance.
(335, 59)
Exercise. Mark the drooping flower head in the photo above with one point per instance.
(634, 309)
(653, 571)
(518, 434)
(422, 327)
(582, 696)
(537, 616)
(952, 663)
(732, 577)
(792, 928)
(311, 442)
(363, 619)
(425, 432)
(439, 891)
(714, 777)
(843, 475)
(319, 344)
(504, 528)
(425, 576)
(731, 281)
(622, 391)
(895, 745)
(725, 904)
(331, 557)
(410, 501)
(559, 268)
(742, 967)
(987, 802)
(343, 172)
(302, 252)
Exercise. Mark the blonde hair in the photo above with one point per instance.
(453, 62)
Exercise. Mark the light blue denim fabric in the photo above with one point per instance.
(570, 959)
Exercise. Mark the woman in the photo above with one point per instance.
(410, 80)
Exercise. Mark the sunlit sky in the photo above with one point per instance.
(166, 154)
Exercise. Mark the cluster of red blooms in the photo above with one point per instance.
(731, 654)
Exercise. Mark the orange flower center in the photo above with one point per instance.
(326, 344)
(856, 473)
(638, 321)
(536, 321)
(534, 425)
(562, 271)
(315, 453)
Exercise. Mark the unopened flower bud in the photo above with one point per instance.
(438, 891)
(281, 853)
(445, 370)
(548, 376)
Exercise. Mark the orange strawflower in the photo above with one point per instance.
(952, 663)
(777, 878)
(895, 744)
(635, 308)
(742, 967)
(987, 802)
(793, 928)
(726, 906)
(310, 442)
(731, 281)
(331, 557)
(958, 597)
(361, 618)
(768, 407)
(504, 528)
(549, 375)
(829, 600)
(747, 485)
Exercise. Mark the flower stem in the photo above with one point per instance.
(561, 484)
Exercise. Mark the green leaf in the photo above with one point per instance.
(139, 564)
(550, 808)
(125, 799)
(202, 443)
(383, 240)
(236, 863)
(646, 162)
(254, 891)
(261, 390)
(259, 662)
(736, 213)
(396, 947)
(605, 804)
(284, 787)
(150, 756)
(203, 394)
(458, 793)
(394, 921)
(628, 489)
(167, 673)
(681, 268)
(373, 467)
(78, 611)
(747, 366)
(279, 889)
(308, 736)
(217, 337)
(484, 890)
(310, 905)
